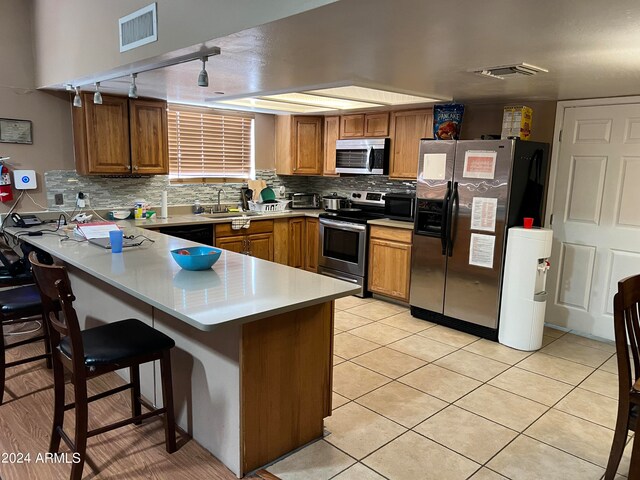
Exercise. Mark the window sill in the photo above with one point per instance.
(199, 180)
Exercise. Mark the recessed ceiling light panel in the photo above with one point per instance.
(273, 105)
(372, 95)
(320, 101)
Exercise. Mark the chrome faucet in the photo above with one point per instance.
(217, 208)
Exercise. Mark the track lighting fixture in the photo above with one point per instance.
(133, 89)
(97, 97)
(203, 76)
(77, 101)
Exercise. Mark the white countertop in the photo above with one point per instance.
(177, 220)
(237, 288)
(385, 222)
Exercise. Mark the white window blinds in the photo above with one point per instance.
(209, 143)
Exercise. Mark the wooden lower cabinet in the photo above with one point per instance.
(312, 240)
(296, 242)
(233, 244)
(256, 241)
(390, 262)
(260, 245)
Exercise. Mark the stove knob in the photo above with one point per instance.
(356, 195)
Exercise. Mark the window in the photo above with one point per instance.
(208, 143)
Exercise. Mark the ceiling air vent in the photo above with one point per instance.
(520, 69)
(138, 28)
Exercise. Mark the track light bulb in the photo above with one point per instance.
(203, 76)
(97, 97)
(77, 101)
(133, 89)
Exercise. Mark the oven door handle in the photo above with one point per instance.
(339, 277)
(351, 227)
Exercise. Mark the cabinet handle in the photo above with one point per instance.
(248, 247)
(135, 168)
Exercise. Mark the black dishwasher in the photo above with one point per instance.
(196, 233)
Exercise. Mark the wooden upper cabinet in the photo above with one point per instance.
(367, 125)
(101, 135)
(407, 128)
(299, 145)
(149, 137)
(376, 124)
(307, 145)
(331, 134)
(352, 126)
(121, 136)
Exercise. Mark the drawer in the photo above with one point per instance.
(395, 234)
(261, 226)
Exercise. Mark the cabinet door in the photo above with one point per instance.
(376, 124)
(307, 141)
(352, 125)
(407, 129)
(331, 134)
(149, 137)
(233, 244)
(312, 238)
(261, 246)
(296, 242)
(106, 134)
(389, 268)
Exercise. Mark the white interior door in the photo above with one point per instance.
(596, 216)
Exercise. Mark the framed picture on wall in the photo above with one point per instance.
(16, 131)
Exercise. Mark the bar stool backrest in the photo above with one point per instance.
(626, 315)
(53, 284)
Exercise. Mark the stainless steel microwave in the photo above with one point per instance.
(367, 156)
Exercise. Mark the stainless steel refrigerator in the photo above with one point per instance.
(469, 192)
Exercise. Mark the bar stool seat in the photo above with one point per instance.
(118, 342)
(21, 305)
(24, 301)
(93, 352)
(7, 279)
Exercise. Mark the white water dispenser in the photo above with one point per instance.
(524, 298)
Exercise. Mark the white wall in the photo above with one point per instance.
(77, 38)
(51, 115)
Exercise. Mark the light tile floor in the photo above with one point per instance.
(414, 400)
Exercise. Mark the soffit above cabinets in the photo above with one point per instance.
(418, 48)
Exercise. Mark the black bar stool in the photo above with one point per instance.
(93, 352)
(18, 306)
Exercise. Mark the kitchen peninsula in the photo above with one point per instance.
(252, 366)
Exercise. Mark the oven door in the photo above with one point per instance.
(343, 246)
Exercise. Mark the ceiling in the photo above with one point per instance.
(425, 47)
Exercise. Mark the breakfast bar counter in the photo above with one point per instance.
(252, 366)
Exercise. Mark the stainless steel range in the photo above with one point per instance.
(344, 238)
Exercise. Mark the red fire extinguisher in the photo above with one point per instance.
(6, 194)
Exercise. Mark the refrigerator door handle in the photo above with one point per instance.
(453, 222)
(444, 226)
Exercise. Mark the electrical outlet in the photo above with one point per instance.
(59, 199)
(80, 200)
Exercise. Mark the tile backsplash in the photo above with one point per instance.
(115, 192)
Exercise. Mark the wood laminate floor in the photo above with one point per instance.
(131, 452)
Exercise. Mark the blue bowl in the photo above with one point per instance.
(199, 258)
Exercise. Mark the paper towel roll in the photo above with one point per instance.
(164, 210)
